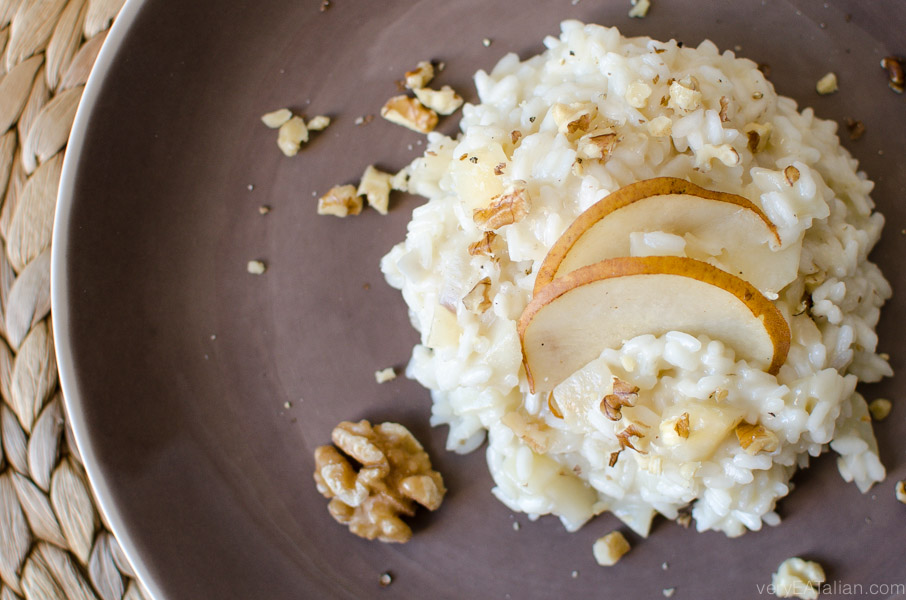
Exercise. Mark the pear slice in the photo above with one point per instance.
(575, 317)
(734, 229)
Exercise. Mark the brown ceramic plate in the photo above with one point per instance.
(198, 391)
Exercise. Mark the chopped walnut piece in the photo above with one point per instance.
(684, 519)
(340, 201)
(684, 94)
(509, 208)
(791, 174)
(856, 128)
(827, 84)
(256, 267)
(755, 438)
(725, 153)
(660, 126)
(758, 136)
(574, 117)
(608, 550)
(498, 170)
(394, 475)
(478, 300)
(515, 135)
(637, 94)
(596, 145)
(623, 394)
(276, 118)
(880, 408)
(724, 107)
(625, 439)
(291, 135)
(901, 491)
(797, 578)
(385, 375)
(639, 8)
(444, 101)
(375, 186)
(318, 123)
(681, 427)
(489, 245)
(409, 113)
(420, 76)
(400, 181)
(895, 79)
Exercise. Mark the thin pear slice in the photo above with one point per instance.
(575, 317)
(746, 241)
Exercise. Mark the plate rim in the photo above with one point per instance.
(60, 291)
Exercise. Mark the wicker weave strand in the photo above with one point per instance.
(53, 541)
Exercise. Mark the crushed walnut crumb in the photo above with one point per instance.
(684, 94)
(478, 299)
(756, 438)
(622, 394)
(444, 101)
(256, 267)
(489, 245)
(901, 491)
(681, 427)
(609, 549)
(509, 208)
(724, 106)
(855, 128)
(318, 123)
(725, 153)
(791, 174)
(375, 186)
(410, 113)
(276, 118)
(340, 201)
(758, 135)
(894, 68)
(827, 84)
(639, 9)
(385, 375)
(596, 145)
(420, 76)
(291, 135)
(797, 578)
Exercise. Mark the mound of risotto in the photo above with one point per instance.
(642, 275)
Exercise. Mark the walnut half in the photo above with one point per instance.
(394, 474)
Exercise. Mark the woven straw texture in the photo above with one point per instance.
(54, 542)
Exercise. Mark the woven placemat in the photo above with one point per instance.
(54, 542)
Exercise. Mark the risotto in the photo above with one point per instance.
(560, 131)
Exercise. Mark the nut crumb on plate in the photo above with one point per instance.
(256, 267)
(385, 375)
(375, 185)
(639, 8)
(340, 201)
(276, 118)
(409, 113)
(608, 550)
(420, 76)
(395, 476)
(895, 77)
(827, 84)
(318, 123)
(797, 578)
(901, 491)
(444, 101)
(291, 135)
